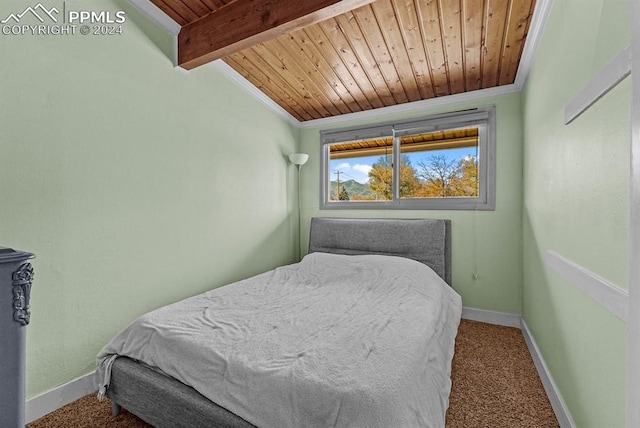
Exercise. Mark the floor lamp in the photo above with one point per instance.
(298, 159)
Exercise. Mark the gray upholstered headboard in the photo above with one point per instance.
(424, 240)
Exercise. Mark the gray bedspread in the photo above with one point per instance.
(332, 341)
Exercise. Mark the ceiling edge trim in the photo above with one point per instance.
(413, 106)
(156, 15)
(231, 74)
(534, 36)
(161, 19)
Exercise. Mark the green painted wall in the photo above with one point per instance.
(134, 183)
(576, 203)
(487, 243)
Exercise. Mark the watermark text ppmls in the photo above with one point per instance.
(58, 20)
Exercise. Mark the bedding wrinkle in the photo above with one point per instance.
(342, 341)
(336, 419)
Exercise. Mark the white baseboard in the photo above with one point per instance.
(59, 396)
(557, 403)
(491, 317)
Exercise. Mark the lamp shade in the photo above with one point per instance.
(298, 158)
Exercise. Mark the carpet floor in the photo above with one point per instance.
(494, 384)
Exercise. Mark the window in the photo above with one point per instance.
(445, 161)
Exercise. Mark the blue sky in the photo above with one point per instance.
(358, 168)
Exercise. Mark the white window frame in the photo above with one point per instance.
(483, 117)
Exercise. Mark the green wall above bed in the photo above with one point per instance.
(134, 183)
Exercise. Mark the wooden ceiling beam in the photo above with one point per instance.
(244, 23)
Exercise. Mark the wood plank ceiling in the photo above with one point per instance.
(382, 54)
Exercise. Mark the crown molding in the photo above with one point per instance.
(231, 74)
(412, 106)
(156, 15)
(538, 21)
(161, 19)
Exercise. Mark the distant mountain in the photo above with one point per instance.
(353, 188)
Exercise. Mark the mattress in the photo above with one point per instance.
(334, 340)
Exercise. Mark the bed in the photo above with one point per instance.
(329, 341)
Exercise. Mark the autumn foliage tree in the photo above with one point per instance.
(437, 176)
(380, 178)
(469, 184)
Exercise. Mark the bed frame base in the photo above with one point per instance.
(163, 401)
